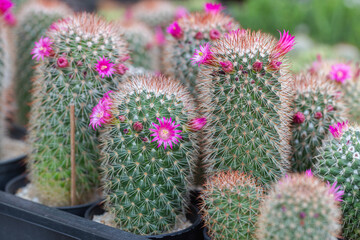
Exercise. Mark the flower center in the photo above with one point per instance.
(201, 54)
(164, 134)
(103, 67)
(41, 48)
(100, 114)
(340, 74)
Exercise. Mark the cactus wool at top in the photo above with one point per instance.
(148, 148)
(80, 58)
(245, 94)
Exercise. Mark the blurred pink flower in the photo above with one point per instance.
(213, 7)
(175, 30)
(104, 67)
(42, 49)
(202, 56)
(340, 72)
(285, 44)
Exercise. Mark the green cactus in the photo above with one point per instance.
(195, 29)
(231, 205)
(316, 107)
(299, 207)
(245, 95)
(34, 20)
(146, 185)
(339, 160)
(71, 73)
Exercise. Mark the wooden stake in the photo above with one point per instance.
(72, 142)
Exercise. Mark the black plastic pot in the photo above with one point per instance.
(193, 232)
(205, 233)
(17, 132)
(11, 168)
(20, 181)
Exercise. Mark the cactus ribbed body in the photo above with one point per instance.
(196, 31)
(299, 207)
(247, 110)
(231, 205)
(34, 19)
(339, 160)
(146, 185)
(68, 76)
(316, 107)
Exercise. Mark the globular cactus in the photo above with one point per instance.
(300, 207)
(316, 106)
(245, 95)
(231, 205)
(187, 33)
(34, 20)
(149, 145)
(81, 57)
(339, 160)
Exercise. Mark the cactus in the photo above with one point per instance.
(148, 149)
(81, 57)
(339, 160)
(35, 18)
(187, 34)
(316, 107)
(245, 92)
(231, 205)
(299, 207)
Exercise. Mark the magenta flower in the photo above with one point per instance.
(274, 65)
(213, 7)
(309, 173)
(42, 48)
(10, 19)
(285, 44)
(138, 126)
(318, 115)
(121, 69)
(202, 56)
(227, 66)
(5, 5)
(299, 117)
(101, 113)
(104, 67)
(214, 34)
(199, 35)
(159, 36)
(335, 191)
(181, 12)
(166, 132)
(338, 129)
(175, 30)
(62, 62)
(257, 66)
(340, 72)
(197, 124)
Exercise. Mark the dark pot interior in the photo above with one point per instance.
(11, 168)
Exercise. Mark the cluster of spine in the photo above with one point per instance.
(83, 56)
(34, 20)
(339, 160)
(316, 107)
(299, 207)
(146, 184)
(246, 92)
(195, 29)
(231, 205)
(140, 38)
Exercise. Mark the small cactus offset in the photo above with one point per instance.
(188, 33)
(231, 205)
(34, 20)
(245, 92)
(316, 106)
(300, 207)
(81, 57)
(339, 160)
(149, 146)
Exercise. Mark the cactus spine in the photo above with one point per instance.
(35, 18)
(245, 92)
(231, 205)
(339, 160)
(146, 185)
(316, 107)
(71, 73)
(299, 207)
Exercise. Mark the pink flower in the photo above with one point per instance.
(121, 69)
(138, 127)
(62, 62)
(214, 34)
(316, 65)
(257, 66)
(104, 67)
(299, 117)
(213, 7)
(197, 124)
(101, 113)
(338, 129)
(227, 66)
(5, 5)
(42, 48)
(318, 115)
(181, 12)
(274, 65)
(309, 173)
(285, 44)
(199, 36)
(166, 133)
(122, 118)
(10, 19)
(125, 58)
(340, 72)
(335, 191)
(175, 30)
(159, 36)
(202, 56)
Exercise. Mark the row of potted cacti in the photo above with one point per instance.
(229, 112)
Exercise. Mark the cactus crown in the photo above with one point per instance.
(146, 170)
(317, 105)
(246, 92)
(301, 207)
(230, 205)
